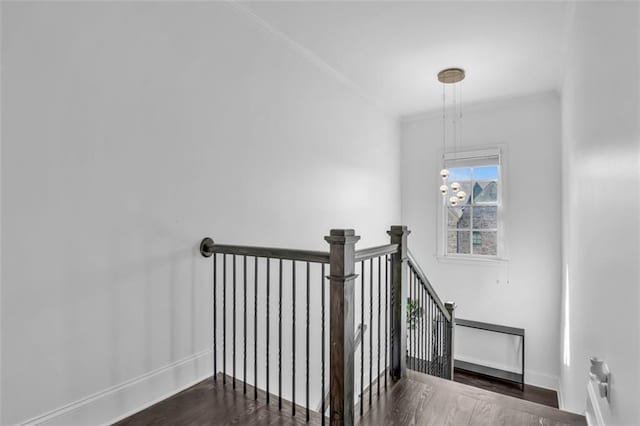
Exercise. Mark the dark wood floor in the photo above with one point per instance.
(530, 393)
(214, 403)
(416, 400)
(427, 400)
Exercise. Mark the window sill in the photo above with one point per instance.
(472, 259)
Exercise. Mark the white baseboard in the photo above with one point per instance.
(561, 396)
(531, 377)
(120, 401)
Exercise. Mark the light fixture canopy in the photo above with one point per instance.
(451, 75)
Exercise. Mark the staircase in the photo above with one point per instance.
(284, 323)
(285, 336)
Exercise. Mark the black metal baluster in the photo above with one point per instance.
(427, 333)
(224, 318)
(307, 352)
(362, 338)
(441, 342)
(386, 318)
(418, 308)
(370, 329)
(443, 338)
(244, 325)
(215, 318)
(430, 335)
(324, 409)
(415, 320)
(379, 282)
(280, 334)
(423, 326)
(267, 343)
(421, 312)
(451, 367)
(433, 337)
(416, 283)
(449, 351)
(409, 320)
(293, 338)
(255, 327)
(439, 345)
(233, 359)
(416, 330)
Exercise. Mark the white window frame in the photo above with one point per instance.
(472, 155)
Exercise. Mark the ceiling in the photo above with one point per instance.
(393, 50)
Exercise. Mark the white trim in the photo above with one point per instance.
(473, 154)
(561, 396)
(308, 54)
(593, 413)
(462, 259)
(483, 105)
(120, 401)
(531, 377)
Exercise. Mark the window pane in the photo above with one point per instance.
(485, 173)
(485, 217)
(459, 217)
(485, 243)
(485, 192)
(459, 174)
(458, 242)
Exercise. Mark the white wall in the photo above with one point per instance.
(600, 136)
(525, 291)
(130, 132)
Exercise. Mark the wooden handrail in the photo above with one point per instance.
(366, 254)
(208, 247)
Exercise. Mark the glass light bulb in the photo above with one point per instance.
(461, 195)
(453, 201)
(444, 189)
(444, 174)
(455, 186)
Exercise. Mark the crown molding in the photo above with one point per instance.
(500, 102)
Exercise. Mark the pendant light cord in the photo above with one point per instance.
(444, 124)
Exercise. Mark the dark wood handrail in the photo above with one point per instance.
(372, 252)
(208, 247)
(427, 285)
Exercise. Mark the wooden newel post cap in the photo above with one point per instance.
(399, 230)
(451, 306)
(342, 236)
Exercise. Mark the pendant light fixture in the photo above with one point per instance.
(450, 79)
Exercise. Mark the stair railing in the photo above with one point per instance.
(430, 326)
(387, 277)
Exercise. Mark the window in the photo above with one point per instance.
(473, 227)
